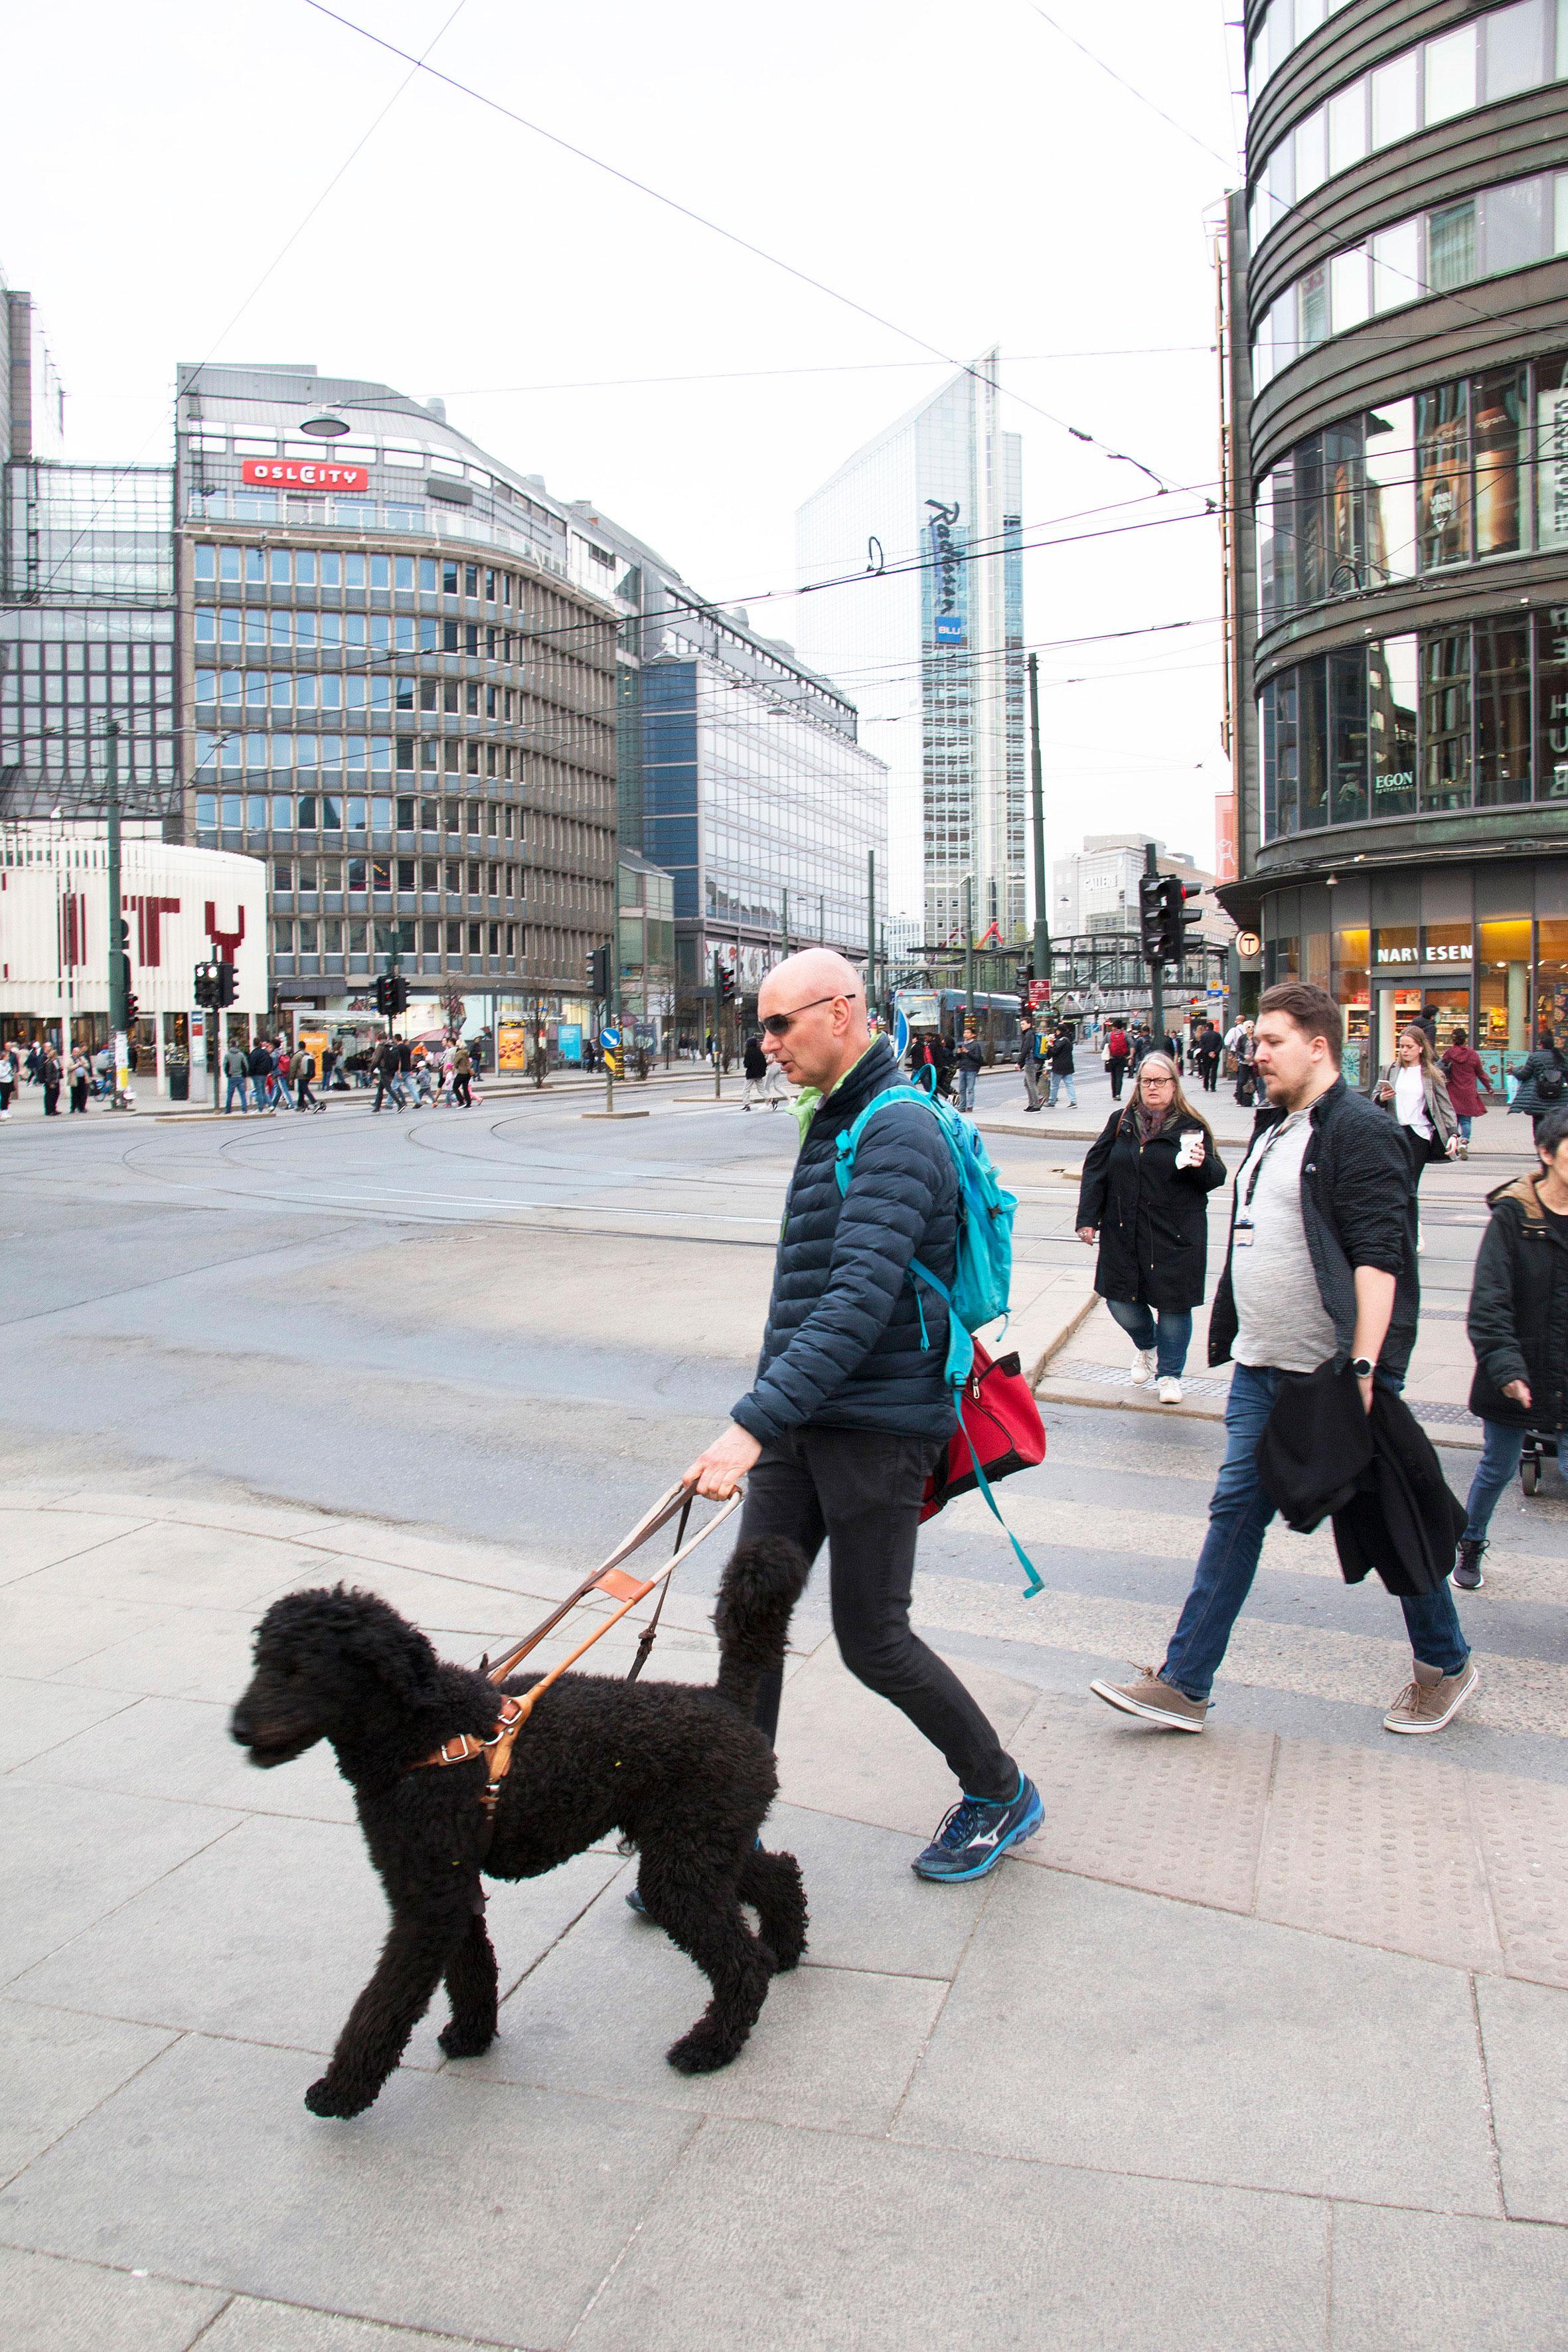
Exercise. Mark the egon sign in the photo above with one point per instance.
(302, 473)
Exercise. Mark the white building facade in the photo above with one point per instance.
(181, 907)
(1095, 888)
(926, 638)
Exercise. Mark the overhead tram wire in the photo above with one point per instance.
(734, 236)
(1231, 163)
(283, 250)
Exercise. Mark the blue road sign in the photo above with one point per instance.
(901, 1032)
(610, 1037)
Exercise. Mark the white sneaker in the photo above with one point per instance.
(1143, 1368)
(1169, 1390)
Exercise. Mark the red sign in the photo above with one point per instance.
(1039, 992)
(302, 473)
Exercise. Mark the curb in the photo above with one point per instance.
(1054, 1347)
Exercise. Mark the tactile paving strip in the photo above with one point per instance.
(1378, 1848)
(1523, 1834)
(1163, 1811)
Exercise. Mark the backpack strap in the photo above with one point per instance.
(1036, 1582)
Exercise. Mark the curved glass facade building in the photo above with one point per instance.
(1397, 423)
(397, 684)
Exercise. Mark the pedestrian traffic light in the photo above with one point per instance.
(1152, 918)
(399, 993)
(599, 974)
(206, 986)
(384, 994)
(129, 1008)
(726, 983)
(1175, 918)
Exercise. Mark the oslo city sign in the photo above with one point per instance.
(302, 473)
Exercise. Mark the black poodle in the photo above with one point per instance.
(679, 1770)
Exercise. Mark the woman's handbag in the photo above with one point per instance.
(1001, 1430)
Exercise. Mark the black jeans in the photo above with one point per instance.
(1117, 1065)
(860, 1489)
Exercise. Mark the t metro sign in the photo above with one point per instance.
(302, 473)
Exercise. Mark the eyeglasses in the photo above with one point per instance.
(779, 1024)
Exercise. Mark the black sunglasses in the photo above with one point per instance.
(779, 1024)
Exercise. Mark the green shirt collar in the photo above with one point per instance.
(810, 1099)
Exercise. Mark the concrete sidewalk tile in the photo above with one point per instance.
(466, 1612)
(201, 1653)
(454, 2206)
(33, 1540)
(1524, 2039)
(270, 1936)
(56, 2068)
(1175, 1816)
(842, 1750)
(1380, 1846)
(1523, 1827)
(386, 1543)
(42, 1633)
(793, 2242)
(835, 2046)
(1405, 2282)
(37, 1716)
(868, 1908)
(53, 2305)
(165, 1562)
(247, 2326)
(75, 1854)
(1092, 2025)
(180, 1747)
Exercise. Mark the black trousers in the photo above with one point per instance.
(859, 1490)
(1117, 1065)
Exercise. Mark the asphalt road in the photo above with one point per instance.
(519, 1324)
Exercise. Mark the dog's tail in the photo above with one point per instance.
(757, 1592)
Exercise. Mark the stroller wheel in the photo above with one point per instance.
(1530, 1472)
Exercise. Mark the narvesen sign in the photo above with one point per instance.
(302, 473)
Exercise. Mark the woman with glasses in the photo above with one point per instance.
(1143, 1196)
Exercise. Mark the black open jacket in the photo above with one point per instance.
(1518, 1321)
(1358, 1207)
(1151, 1216)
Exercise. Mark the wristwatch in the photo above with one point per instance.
(1362, 1367)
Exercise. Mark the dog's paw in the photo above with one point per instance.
(701, 2052)
(323, 2099)
(467, 2043)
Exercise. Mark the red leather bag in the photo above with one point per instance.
(999, 1430)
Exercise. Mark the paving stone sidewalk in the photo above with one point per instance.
(1262, 2043)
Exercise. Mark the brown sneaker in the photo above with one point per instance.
(1427, 1703)
(1154, 1701)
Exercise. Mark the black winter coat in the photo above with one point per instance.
(754, 1060)
(843, 1346)
(1060, 1057)
(1518, 1321)
(1151, 1217)
(1358, 1208)
(1529, 1096)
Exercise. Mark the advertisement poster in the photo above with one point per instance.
(569, 1040)
(511, 1045)
(314, 1043)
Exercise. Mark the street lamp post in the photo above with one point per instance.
(1042, 918)
(969, 943)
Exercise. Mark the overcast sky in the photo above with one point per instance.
(166, 192)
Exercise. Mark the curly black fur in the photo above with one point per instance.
(677, 1769)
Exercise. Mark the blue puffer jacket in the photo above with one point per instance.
(843, 1346)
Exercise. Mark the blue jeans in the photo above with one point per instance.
(1500, 1451)
(1466, 1123)
(1238, 1513)
(236, 1086)
(966, 1079)
(1170, 1334)
(1060, 1079)
(258, 1087)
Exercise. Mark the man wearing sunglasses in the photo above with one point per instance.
(850, 1408)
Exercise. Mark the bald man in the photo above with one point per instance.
(850, 1409)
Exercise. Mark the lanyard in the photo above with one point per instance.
(1275, 1135)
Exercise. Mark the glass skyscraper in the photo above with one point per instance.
(742, 778)
(926, 637)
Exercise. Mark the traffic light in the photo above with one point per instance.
(399, 993)
(227, 982)
(726, 983)
(599, 974)
(1152, 918)
(206, 986)
(384, 994)
(1175, 919)
(129, 1008)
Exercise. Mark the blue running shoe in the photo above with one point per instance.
(978, 1831)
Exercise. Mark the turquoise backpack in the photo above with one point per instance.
(983, 1278)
